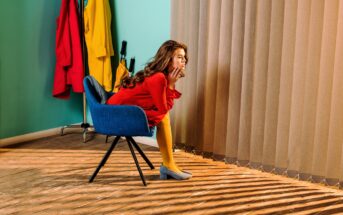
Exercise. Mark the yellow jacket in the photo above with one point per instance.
(97, 22)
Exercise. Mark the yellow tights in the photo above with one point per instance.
(165, 143)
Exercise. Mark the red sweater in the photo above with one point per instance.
(69, 63)
(153, 95)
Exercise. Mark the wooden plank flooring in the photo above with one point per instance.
(50, 176)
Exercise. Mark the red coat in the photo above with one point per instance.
(69, 64)
(153, 95)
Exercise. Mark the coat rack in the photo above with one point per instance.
(84, 125)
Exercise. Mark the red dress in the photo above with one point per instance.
(153, 95)
(69, 63)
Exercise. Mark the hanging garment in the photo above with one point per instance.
(153, 95)
(69, 64)
(97, 21)
(120, 74)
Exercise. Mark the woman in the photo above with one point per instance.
(153, 89)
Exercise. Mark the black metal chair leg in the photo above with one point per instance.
(106, 139)
(140, 152)
(136, 161)
(103, 161)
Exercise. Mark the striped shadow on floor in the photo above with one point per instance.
(50, 176)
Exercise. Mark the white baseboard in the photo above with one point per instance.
(54, 131)
(32, 136)
(147, 141)
(29, 136)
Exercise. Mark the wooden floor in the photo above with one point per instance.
(50, 176)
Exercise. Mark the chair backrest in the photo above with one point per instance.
(118, 120)
(96, 90)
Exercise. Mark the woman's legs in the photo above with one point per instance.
(165, 143)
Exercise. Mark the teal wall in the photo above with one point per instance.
(27, 58)
(144, 24)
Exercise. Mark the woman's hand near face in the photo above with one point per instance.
(173, 77)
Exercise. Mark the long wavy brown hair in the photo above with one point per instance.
(159, 63)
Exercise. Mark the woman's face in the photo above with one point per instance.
(178, 61)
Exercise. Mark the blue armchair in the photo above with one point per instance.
(116, 120)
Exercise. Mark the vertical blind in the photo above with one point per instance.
(264, 84)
